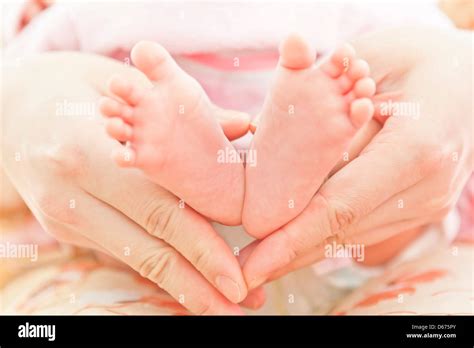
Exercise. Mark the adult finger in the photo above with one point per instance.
(434, 196)
(389, 164)
(157, 211)
(318, 253)
(162, 215)
(151, 257)
(256, 297)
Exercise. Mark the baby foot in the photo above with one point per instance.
(174, 136)
(307, 121)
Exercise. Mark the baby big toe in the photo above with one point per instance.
(296, 52)
(153, 60)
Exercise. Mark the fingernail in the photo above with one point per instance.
(229, 288)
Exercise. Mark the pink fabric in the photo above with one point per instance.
(209, 35)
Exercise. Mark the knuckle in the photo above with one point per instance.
(202, 258)
(432, 156)
(340, 216)
(158, 265)
(161, 220)
(65, 159)
(334, 216)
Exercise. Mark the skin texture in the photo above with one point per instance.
(65, 174)
(423, 161)
(307, 108)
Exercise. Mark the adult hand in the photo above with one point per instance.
(410, 174)
(58, 158)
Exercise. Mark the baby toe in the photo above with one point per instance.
(125, 90)
(364, 88)
(358, 69)
(119, 130)
(112, 108)
(361, 111)
(153, 60)
(340, 61)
